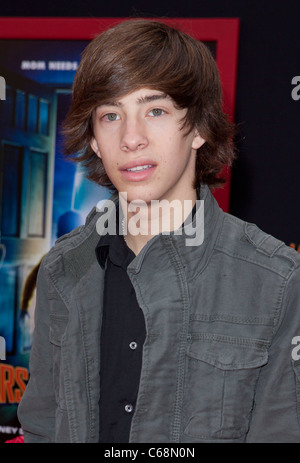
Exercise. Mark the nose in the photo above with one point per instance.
(133, 136)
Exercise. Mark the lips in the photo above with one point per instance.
(138, 164)
(138, 170)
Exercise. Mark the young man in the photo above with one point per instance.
(148, 337)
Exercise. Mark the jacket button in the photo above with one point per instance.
(128, 408)
(133, 345)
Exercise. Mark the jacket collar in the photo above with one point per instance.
(79, 251)
(193, 253)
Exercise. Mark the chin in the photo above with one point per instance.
(136, 197)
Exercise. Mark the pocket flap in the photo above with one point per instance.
(228, 352)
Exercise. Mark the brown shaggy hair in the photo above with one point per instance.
(146, 53)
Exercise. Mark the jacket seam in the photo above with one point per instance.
(253, 261)
(176, 426)
(88, 361)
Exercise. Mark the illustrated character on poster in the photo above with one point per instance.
(66, 223)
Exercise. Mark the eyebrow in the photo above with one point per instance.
(149, 98)
(141, 100)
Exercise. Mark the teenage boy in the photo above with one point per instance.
(142, 336)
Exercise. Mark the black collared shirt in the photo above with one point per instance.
(122, 338)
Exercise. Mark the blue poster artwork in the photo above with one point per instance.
(42, 195)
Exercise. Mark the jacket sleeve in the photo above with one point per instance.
(276, 413)
(36, 411)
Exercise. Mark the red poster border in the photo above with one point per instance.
(224, 31)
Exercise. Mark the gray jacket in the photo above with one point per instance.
(219, 363)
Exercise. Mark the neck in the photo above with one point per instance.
(142, 221)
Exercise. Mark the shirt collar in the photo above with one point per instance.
(114, 247)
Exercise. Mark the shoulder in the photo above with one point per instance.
(81, 242)
(83, 236)
(247, 241)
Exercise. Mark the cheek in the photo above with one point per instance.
(106, 152)
(107, 163)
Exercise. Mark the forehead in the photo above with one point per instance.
(139, 97)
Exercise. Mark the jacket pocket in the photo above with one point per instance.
(222, 373)
(58, 326)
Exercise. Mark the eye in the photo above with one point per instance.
(156, 112)
(111, 117)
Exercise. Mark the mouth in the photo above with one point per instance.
(137, 171)
(140, 168)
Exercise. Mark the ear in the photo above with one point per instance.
(95, 147)
(198, 141)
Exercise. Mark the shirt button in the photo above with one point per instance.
(133, 345)
(128, 408)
